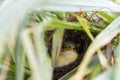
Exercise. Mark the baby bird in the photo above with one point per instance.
(67, 56)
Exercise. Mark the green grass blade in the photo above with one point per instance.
(116, 71)
(4, 66)
(106, 16)
(68, 25)
(106, 75)
(30, 53)
(7, 20)
(56, 44)
(85, 26)
(69, 74)
(20, 55)
(45, 65)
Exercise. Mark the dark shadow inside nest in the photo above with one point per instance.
(81, 41)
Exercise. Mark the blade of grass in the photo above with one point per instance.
(69, 74)
(116, 69)
(106, 75)
(20, 55)
(2, 48)
(85, 26)
(56, 44)
(5, 64)
(12, 17)
(45, 65)
(30, 53)
(12, 41)
(68, 25)
(83, 5)
(95, 71)
(106, 16)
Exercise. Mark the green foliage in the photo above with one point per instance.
(24, 51)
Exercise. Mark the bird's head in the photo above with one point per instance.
(68, 46)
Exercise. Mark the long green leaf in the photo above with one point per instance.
(56, 44)
(85, 26)
(116, 69)
(45, 65)
(19, 53)
(30, 53)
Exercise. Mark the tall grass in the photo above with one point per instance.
(23, 49)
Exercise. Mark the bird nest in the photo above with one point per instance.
(81, 41)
